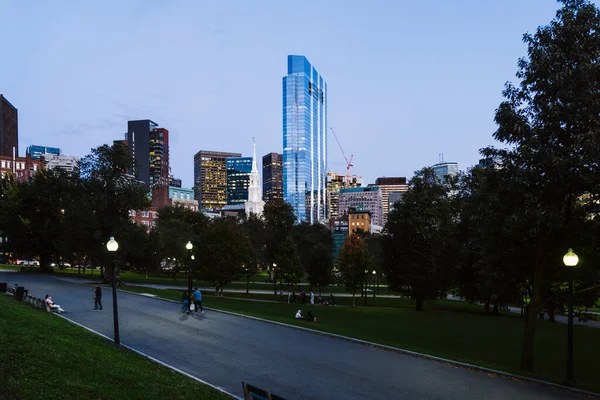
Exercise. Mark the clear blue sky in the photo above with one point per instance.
(407, 79)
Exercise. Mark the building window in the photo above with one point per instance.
(144, 214)
(132, 213)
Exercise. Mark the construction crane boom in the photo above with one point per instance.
(348, 161)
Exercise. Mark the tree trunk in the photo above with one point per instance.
(530, 319)
(45, 263)
(551, 309)
(486, 307)
(419, 304)
(353, 296)
(496, 308)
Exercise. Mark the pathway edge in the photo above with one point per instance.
(395, 349)
(164, 364)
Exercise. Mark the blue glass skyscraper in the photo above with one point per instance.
(238, 179)
(304, 140)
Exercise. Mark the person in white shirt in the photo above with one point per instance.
(299, 314)
(53, 306)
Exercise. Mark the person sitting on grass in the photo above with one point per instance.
(53, 306)
(299, 314)
(309, 317)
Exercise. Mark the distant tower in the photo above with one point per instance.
(255, 204)
(9, 128)
(305, 140)
(149, 147)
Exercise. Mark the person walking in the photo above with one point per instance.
(98, 298)
(185, 301)
(198, 300)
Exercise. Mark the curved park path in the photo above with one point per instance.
(224, 350)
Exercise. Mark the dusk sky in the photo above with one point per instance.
(407, 80)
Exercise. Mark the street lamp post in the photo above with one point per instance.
(189, 246)
(247, 278)
(113, 246)
(374, 282)
(570, 259)
(274, 278)
(366, 284)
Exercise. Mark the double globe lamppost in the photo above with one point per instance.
(570, 259)
(112, 246)
(189, 246)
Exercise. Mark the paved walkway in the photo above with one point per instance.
(224, 350)
(561, 319)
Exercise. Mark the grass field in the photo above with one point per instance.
(181, 280)
(45, 357)
(448, 329)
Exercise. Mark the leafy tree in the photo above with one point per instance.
(551, 122)
(315, 249)
(225, 249)
(110, 193)
(33, 213)
(483, 274)
(254, 229)
(420, 248)
(353, 262)
(289, 266)
(279, 219)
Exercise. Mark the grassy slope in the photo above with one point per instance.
(451, 330)
(43, 356)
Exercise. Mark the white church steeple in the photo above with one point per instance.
(255, 204)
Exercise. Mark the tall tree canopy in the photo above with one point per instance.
(551, 121)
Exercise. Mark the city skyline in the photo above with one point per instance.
(77, 83)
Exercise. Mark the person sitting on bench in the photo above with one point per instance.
(53, 306)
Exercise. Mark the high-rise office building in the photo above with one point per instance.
(362, 198)
(63, 161)
(444, 168)
(36, 151)
(388, 185)
(304, 140)
(175, 182)
(393, 198)
(9, 128)
(272, 166)
(149, 147)
(210, 178)
(238, 179)
(335, 183)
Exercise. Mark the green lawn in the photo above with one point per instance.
(447, 329)
(9, 267)
(45, 357)
(180, 279)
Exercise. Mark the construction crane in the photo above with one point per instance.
(348, 161)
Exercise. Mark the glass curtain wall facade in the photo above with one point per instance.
(36, 152)
(272, 165)
(445, 168)
(238, 179)
(210, 178)
(305, 140)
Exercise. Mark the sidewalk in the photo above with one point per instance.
(561, 319)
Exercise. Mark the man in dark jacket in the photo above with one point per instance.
(98, 298)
